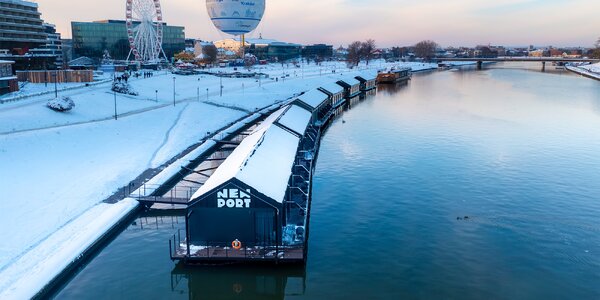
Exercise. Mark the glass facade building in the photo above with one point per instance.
(91, 39)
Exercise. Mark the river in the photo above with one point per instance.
(463, 184)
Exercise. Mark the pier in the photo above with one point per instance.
(249, 199)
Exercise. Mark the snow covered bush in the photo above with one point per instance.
(123, 88)
(61, 104)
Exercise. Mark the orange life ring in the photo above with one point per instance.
(236, 244)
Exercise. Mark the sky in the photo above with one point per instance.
(388, 22)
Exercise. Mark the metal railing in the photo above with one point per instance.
(177, 195)
(179, 249)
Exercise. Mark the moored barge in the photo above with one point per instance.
(394, 75)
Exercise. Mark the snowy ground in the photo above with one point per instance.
(56, 168)
(594, 68)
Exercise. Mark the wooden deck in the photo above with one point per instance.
(256, 254)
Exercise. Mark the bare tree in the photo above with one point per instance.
(596, 52)
(426, 49)
(210, 53)
(354, 53)
(366, 49)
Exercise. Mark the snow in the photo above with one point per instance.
(296, 119)
(234, 162)
(314, 98)
(175, 167)
(56, 168)
(594, 68)
(269, 168)
(61, 104)
(264, 159)
(332, 87)
(592, 71)
(350, 80)
(368, 75)
(30, 273)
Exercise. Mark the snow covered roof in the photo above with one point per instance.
(313, 98)
(350, 80)
(82, 61)
(295, 118)
(333, 88)
(265, 158)
(368, 75)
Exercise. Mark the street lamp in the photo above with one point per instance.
(221, 83)
(156, 95)
(173, 91)
(206, 94)
(115, 95)
(54, 75)
(198, 90)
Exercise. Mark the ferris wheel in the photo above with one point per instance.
(145, 30)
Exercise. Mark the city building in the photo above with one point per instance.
(537, 53)
(203, 50)
(317, 51)
(8, 82)
(21, 30)
(53, 46)
(21, 26)
(263, 49)
(189, 44)
(91, 39)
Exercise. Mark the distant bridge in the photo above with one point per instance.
(543, 60)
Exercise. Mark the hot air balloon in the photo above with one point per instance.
(236, 17)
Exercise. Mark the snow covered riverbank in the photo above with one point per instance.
(57, 168)
(591, 71)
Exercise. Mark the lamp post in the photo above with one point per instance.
(206, 94)
(221, 84)
(55, 84)
(115, 96)
(156, 92)
(173, 91)
(198, 90)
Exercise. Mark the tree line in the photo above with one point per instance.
(596, 52)
(363, 51)
(359, 51)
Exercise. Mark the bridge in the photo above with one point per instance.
(543, 60)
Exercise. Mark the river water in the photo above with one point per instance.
(463, 184)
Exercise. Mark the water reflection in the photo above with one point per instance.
(390, 89)
(245, 282)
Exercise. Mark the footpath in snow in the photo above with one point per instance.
(57, 168)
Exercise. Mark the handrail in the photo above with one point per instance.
(294, 187)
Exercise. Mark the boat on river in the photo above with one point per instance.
(394, 75)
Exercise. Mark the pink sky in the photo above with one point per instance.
(389, 22)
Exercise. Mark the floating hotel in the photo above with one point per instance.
(255, 207)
